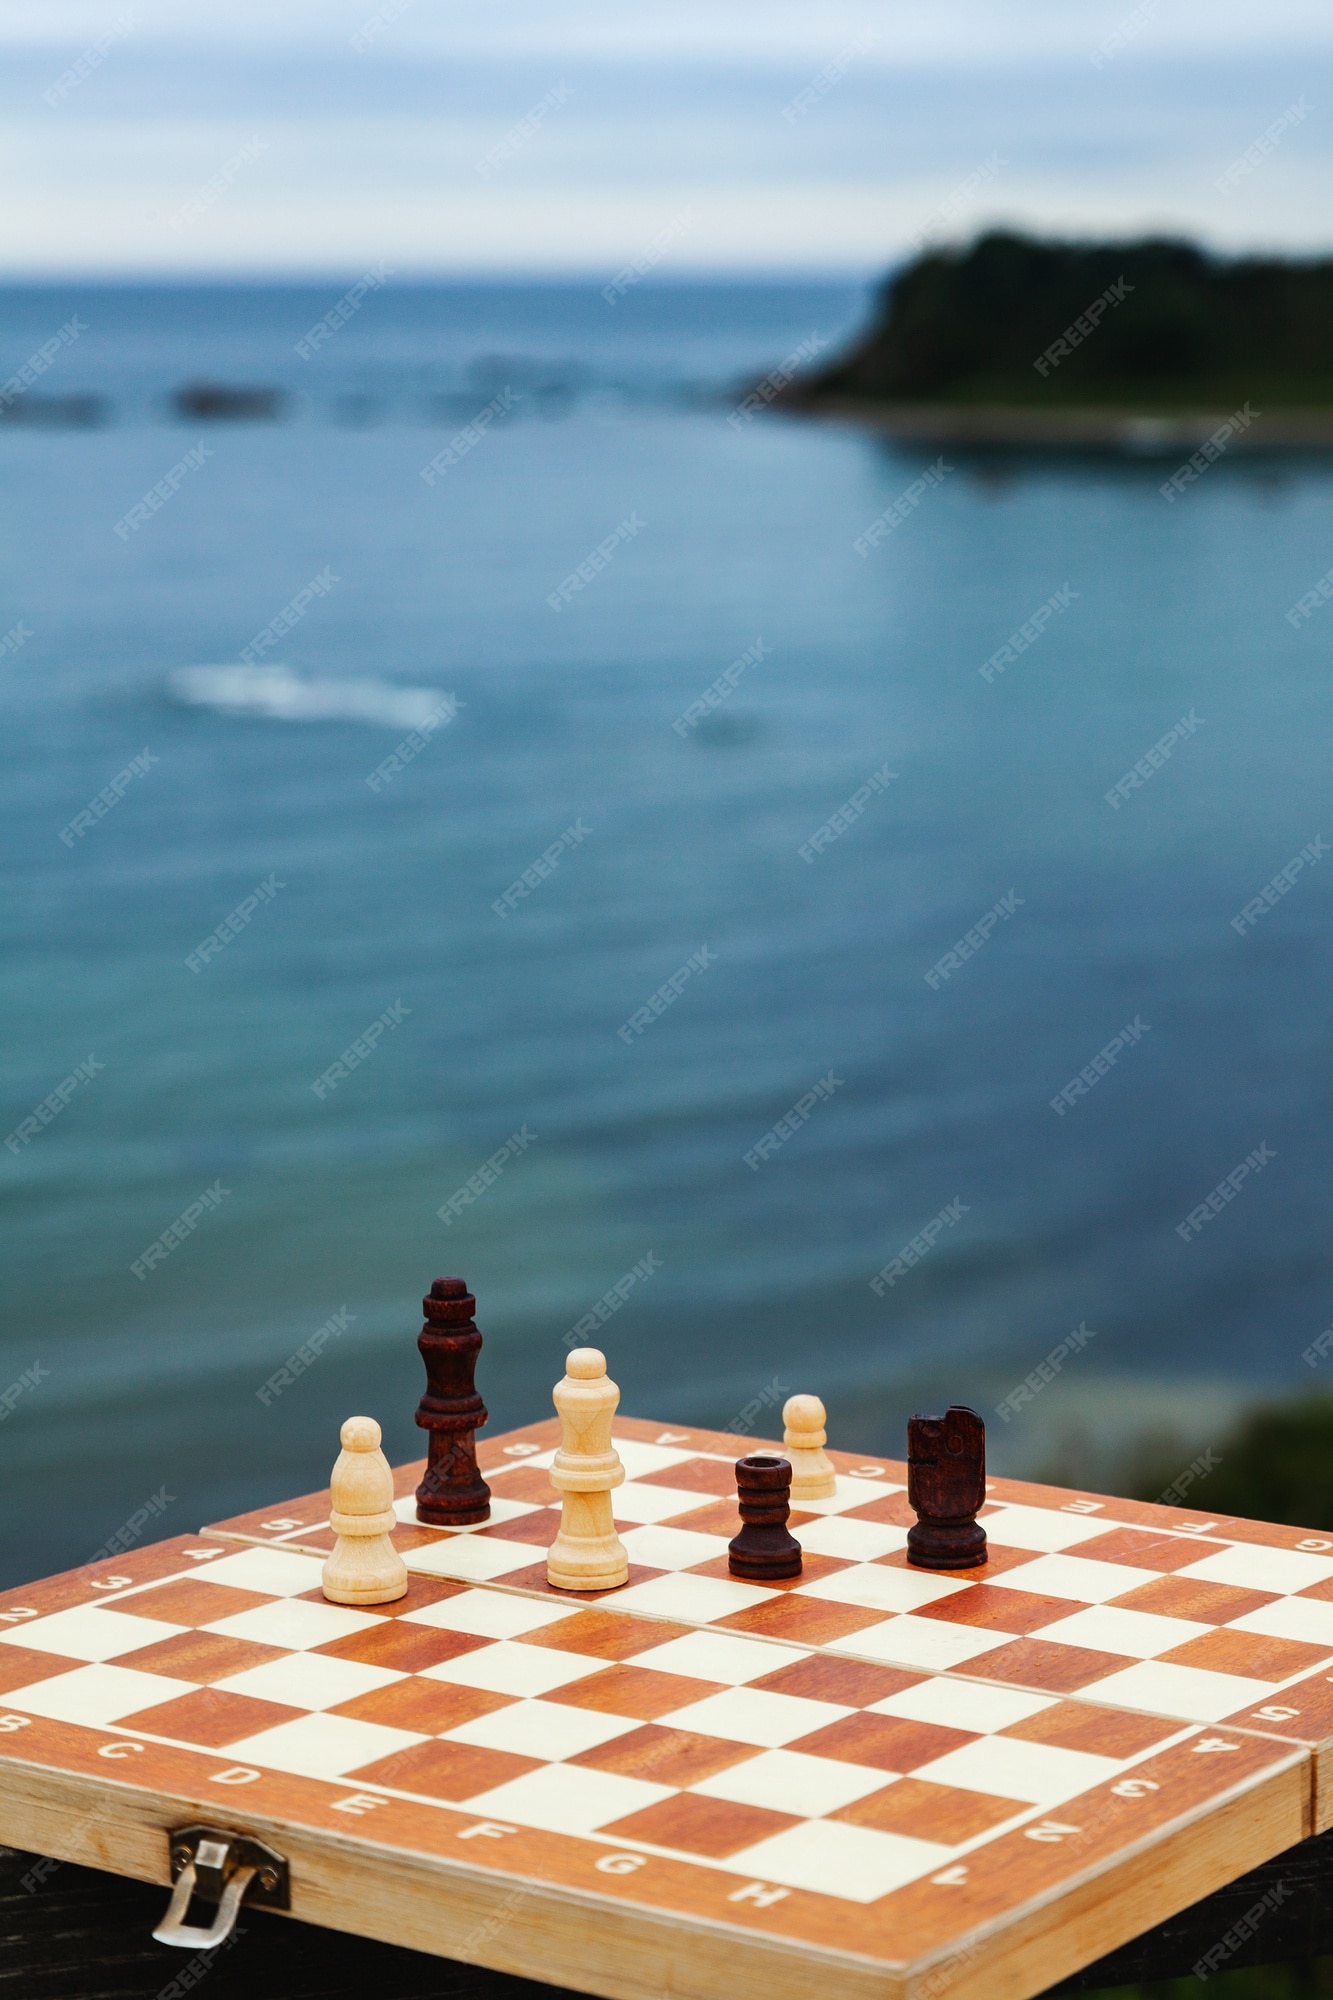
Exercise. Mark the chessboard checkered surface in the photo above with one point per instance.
(1154, 1609)
(898, 1817)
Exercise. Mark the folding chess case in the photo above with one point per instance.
(692, 1785)
(1159, 1610)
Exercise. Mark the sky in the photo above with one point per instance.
(491, 137)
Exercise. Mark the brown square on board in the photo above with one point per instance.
(452, 1771)
(1146, 1550)
(1248, 1653)
(200, 1656)
(696, 1475)
(421, 1591)
(60, 1593)
(1305, 1711)
(191, 1600)
(852, 1683)
(883, 1742)
(998, 1560)
(923, 1811)
(20, 1666)
(813, 1569)
(427, 1707)
(410, 1535)
(806, 1621)
(605, 1635)
(1040, 1664)
(665, 1756)
(697, 1825)
(993, 1609)
(1104, 1732)
(628, 1690)
(539, 1528)
(719, 1517)
(524, 1482)
(410, 1648)
(406, 1479)
(210, 1716)
(891, 1510)
(1322, 1590)
(1191, 1597)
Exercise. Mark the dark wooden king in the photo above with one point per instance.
(946, 1485)
(453, 1493)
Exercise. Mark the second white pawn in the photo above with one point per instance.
(804, 1438)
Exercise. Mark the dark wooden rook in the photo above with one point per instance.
(764, 1548)
(453, 1493)
(946, 1485)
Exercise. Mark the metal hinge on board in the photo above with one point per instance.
(222, 1868)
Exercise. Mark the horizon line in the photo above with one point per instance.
(443, 275)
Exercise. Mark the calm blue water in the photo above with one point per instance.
(386, 896)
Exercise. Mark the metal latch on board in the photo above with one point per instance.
(221, 1868)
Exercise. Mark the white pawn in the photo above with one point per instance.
(365, 1567)
(812, 1474)
(587, 1554)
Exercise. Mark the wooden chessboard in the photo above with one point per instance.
(693, 1785)
(1156, 1609)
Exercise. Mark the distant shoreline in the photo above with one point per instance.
(1136, 434)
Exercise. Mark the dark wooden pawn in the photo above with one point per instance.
(946, 1485)
(764, 1549)
(453, 1493)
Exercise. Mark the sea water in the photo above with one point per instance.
(599, 777)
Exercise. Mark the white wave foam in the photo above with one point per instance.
(282, 696)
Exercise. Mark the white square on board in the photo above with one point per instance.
(1110, 1628)
(964, 1705)
(695, 1600)
(646, 1504)
(471, 1558)
(1193, 1693)
(322, 1746)
(856, 1863)
(545, 1729)
(276, 1572)
(872, 1642)
(1307, 1618)
(1005, 1767)
(878, 1587)
(1079, 1578)
(487, 1614)
(789, 1781)
(718, 1656)
(852, 1541)
(641, 1459)
(309, 1680)
(1041, 1528)
(96, 1695)
(510, 1667)
(1257, 1568)
(931, 1643)
(89, 1632)
(568, 1798)
(850, 1492)
(293, 1622)
(672, 1548)
(753, 1715)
